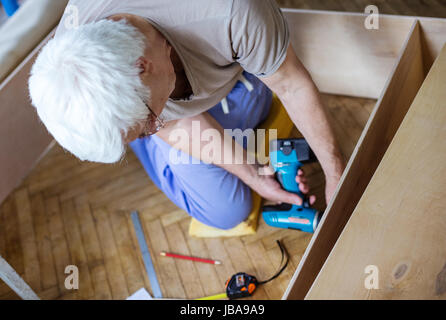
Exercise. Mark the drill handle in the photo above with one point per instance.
(287, 178)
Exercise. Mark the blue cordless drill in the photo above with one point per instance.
(287, 156)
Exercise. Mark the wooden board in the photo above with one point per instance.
(431, 8)
(385, 119)
(399, 224)
(23, 139)
(433, 37)
(343, 56)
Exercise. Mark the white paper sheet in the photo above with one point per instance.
(141, 294)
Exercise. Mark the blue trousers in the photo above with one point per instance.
(207, 192)
(10, 6)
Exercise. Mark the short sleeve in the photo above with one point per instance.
(259, 36)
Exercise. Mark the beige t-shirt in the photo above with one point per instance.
(215, 39)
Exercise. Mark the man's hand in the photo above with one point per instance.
(266, 185)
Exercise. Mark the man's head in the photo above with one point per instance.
(92, 85)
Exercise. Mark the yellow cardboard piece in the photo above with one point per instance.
(277, 119)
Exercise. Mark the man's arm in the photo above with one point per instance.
(264, 184)
(293, 85)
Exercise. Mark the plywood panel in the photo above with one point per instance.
(343, 56)
(431, 8)
(408, 75)
(398, 226)
(433, 34)
(23, 138)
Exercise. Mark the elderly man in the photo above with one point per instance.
(135, 71)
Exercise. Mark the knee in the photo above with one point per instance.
(232, 214)
(226, 214)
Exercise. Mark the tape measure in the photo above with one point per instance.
(242, 285)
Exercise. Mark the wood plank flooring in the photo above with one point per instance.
(71, 213)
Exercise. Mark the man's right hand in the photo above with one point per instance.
(265, 184)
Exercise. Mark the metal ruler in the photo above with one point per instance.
(15, 282)
(146, 256)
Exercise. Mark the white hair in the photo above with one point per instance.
(86, 88)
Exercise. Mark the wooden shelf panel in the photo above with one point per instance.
(398, 226)
(407, 77)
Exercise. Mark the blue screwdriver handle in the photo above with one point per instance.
(287, 178)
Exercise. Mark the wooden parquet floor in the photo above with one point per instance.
(71, 213)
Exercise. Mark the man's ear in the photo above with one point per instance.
(144, 65)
